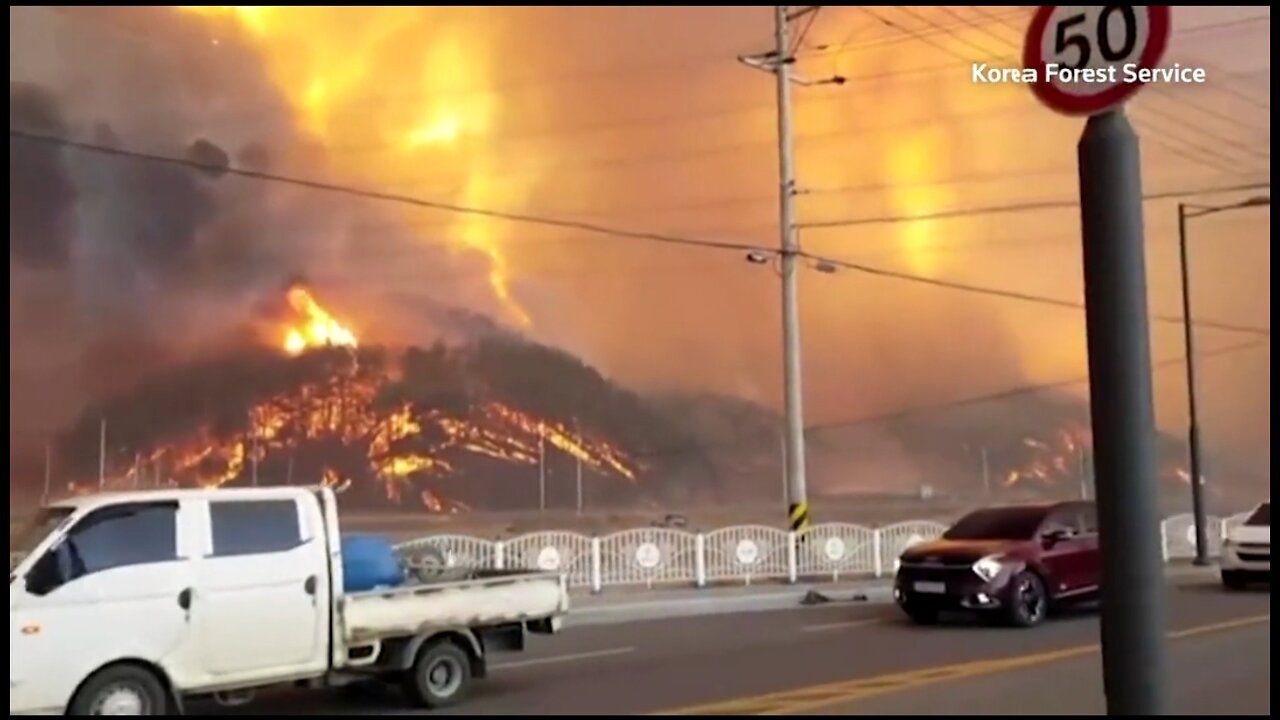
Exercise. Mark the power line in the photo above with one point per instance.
(950, 33)
(1015, 295)
(804, 32)
(1022, 207)
(378, 195)
(970, 22)
(918, 35)
(575, 225)
(903, 36)
(1245, 149)
(952, 404)
(1021, 390)
(1209, 27)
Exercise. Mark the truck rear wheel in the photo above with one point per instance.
(440, 676)
(120, 690)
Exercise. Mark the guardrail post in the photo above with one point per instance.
(499, 555)
(700, 560)
(877, 562)
(793, 569)
(597, 581)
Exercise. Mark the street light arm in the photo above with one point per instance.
(1195, 211)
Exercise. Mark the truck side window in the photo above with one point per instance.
(253, 527)
(111, 537)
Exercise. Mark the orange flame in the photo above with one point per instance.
(316, 327)
(402, 446)
(325, 60)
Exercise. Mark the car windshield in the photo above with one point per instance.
(33, 531)
(1011, 523)
(1261, 516)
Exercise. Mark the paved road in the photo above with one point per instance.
(850, 658)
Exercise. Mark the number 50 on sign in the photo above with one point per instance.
(1088, 59)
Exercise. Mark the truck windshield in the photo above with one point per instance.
(1261, 516)
(33, 531)
(1011, 523)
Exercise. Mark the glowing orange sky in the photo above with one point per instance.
(641, 118)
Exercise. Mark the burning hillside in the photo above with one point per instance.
(443, 428)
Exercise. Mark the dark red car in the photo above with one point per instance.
(1016, 561)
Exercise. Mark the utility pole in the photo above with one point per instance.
(779, 61)
(1198, 513)
(798, 510)
(1193, 429)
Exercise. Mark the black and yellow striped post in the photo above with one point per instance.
(798, 515)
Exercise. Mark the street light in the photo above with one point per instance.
(1185, 213)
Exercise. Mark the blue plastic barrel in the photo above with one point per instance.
(369, 562)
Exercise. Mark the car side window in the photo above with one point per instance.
(254, 527)
(1060, 520)
(108, 538)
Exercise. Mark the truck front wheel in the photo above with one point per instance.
(440, 676)
(120, 690)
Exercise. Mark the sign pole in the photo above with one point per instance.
(1133, 586)
(1083, 58)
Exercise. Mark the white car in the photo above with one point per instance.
(1246, 553)
(129, 604)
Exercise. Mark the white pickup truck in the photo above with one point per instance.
(136, 603)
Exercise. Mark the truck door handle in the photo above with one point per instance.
(310, 585)
(184, 599)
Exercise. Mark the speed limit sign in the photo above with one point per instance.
(1089, 58)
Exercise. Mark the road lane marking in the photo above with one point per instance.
(1219, 626)
(817, 696)
(847, 624)
(562, 658)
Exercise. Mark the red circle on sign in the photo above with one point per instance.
(1158, 26)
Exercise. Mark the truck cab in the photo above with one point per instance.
(132, 603)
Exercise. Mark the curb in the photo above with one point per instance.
(694, 603)
(788, 598)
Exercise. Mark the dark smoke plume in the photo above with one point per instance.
(121, 266)
(42, 196)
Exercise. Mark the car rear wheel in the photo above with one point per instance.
(1029, 602)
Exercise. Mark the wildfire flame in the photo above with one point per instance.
(1061, 458)
(325, 60)
(345, 415)
(315, 327)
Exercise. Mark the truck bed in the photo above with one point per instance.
(486, 598)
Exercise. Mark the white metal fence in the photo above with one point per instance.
(742, 553)
(654, 556)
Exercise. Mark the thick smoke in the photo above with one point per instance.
(121, 265)
(41, 193)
